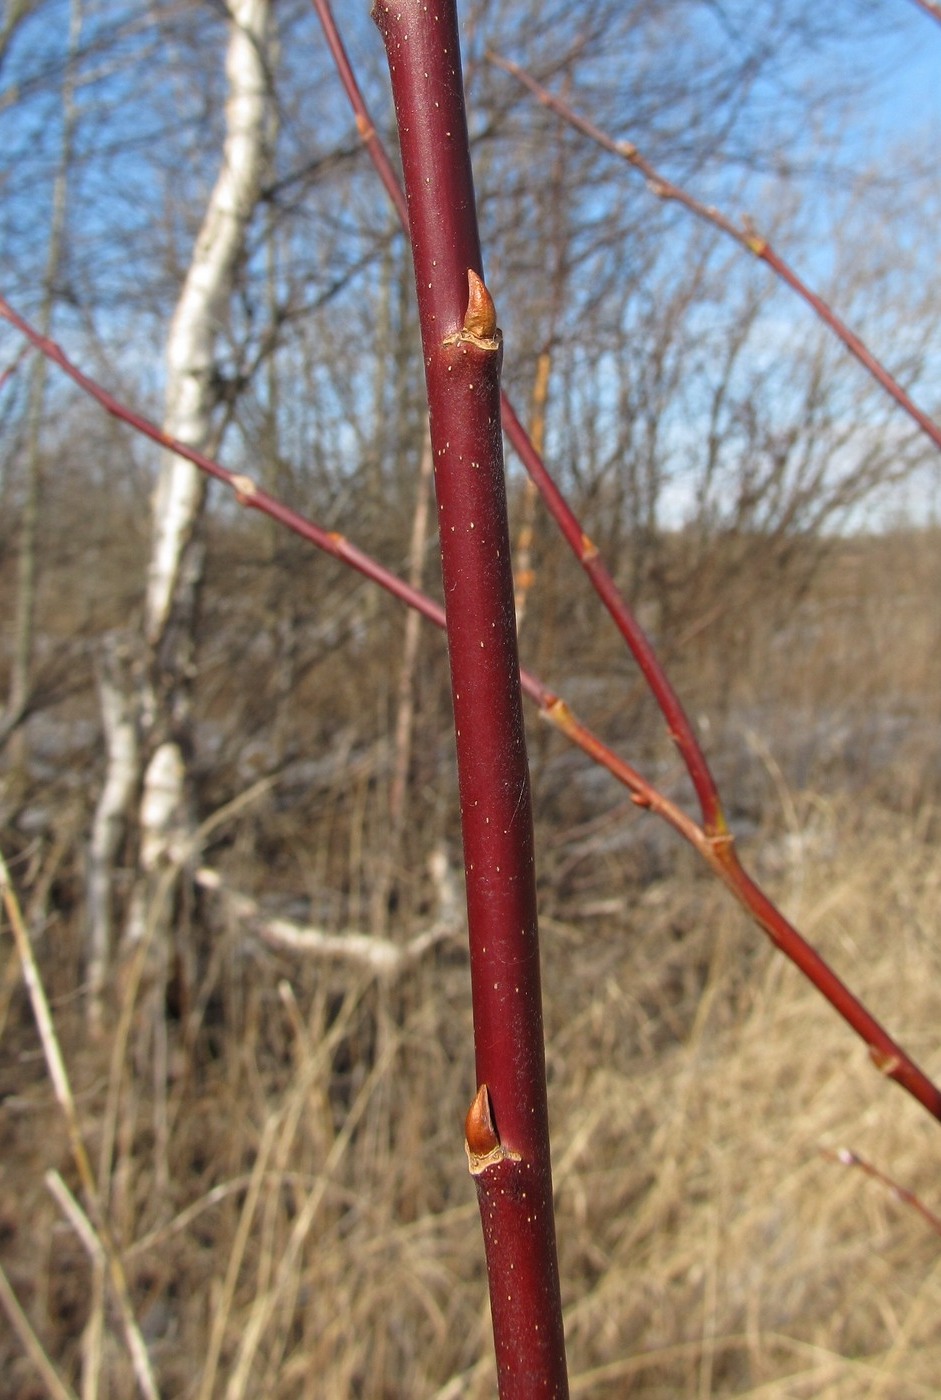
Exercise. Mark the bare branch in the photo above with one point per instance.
(379, 956)
(745, 236)
(930, 8)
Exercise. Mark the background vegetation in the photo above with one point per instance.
(772, 520)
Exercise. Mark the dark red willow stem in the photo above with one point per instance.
(462, 352)
(678, 724)
(891, 1059)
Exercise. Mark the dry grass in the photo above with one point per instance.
(296, 1219)
(726, 1255)
(279, 1155)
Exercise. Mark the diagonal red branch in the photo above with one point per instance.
(847, 1158)
(744, 236)
(713, 839)
(364, 123)
(930, 8)
(246, 491)
(586, 552)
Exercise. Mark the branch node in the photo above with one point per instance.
(557, 712)
(244, 488)
(886, 1063)
(481, 1139)
(480, 318)
(754, 242)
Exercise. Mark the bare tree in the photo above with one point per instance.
(24, 622)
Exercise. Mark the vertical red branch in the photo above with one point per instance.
(508, 1138)
(679, 725)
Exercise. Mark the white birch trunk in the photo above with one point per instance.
(119, 719)
(201, 310)
(175, 568)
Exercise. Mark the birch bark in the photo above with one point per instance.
(201, 310)
(175, 568)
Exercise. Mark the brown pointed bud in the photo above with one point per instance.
(481, 1139)
(479, 1130)
(480, 318)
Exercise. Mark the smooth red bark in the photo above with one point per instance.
(462, 355)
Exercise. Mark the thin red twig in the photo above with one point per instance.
(847, 1158)
(246, 491)
(745, 236)
(718, 846)
(930, 8)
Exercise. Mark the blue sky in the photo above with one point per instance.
(898, 104)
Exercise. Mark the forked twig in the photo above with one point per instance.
(586, 552)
